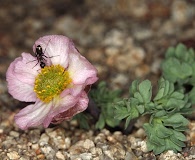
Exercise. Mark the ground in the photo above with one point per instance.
(124, 39)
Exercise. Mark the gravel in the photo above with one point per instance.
(125, 40)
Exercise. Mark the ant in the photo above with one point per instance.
(40, 56)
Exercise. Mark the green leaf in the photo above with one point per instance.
(173, 69)
(150, 146)
(159, 149)
(82, 120)
(120, 112)
(145, 89)
(165, 88)
(133, 87)
(100, 123)
(181, 128)
(180, 51)
(112, 122)
(161, 138)
(140, 109)
(163, 132)
(179, 66)
(127, 121)
(177, 95)
(176, 120)
(105, 99)
(180, 136)
(156, 140)
(141, 91)
(172, 146)
(126, 109)
(148, 128)
(160, 113)
(170, 52)
(139, 97)
(192, 95)
(176, 141)
(169, 100)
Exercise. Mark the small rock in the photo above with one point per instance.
(86, 156)
(88, 144)
(170, 155)
(119, 80)
(48, 151)
(129, 59)
(114, 38)
(112, 51)
(14, 134)
(81, 147)
(43, 139)
(142, 70)
(95, 55)
(130, 156)
(13, 155)
(109, 154)
(96, 151)
(100, 138)
(59, 155)
(140, 133)
(182, 12)
(35, 146)
(143, 146)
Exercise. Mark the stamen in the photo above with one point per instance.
(51, 82)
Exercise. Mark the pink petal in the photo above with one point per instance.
(60, 106)
(26, 70)
(20, 86)
(32, 115)
(56, 47)
(73, 90)
(80, 106)
(81, 71)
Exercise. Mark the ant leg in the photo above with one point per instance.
(46, 46)
(53, 56)
(35, 64)
(50, 57)
(31, 61)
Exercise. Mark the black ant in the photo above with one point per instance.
(39, 54)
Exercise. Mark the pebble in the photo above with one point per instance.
(48, 151)
(44, 139)
(170, 155)
(123, 39)
(35, 146)
(96, 151)
(142, 70)
(127, 60)
(130, 156)
(14, 134)
(114, 38)
(182, 12)
(13, 155)
(88, 144)
(143, 146)
(119, 80)
(60, 156)
(86, 156)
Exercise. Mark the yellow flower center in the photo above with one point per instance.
(51, 82)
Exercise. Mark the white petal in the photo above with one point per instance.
(32, 115)
(81, 71)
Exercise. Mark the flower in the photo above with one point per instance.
(58, 90)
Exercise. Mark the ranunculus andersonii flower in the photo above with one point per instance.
(58, 90)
